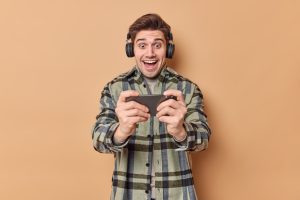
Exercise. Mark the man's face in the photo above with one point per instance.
(150, 52)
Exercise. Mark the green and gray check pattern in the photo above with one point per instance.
(151, 146)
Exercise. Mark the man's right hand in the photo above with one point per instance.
(129, 113)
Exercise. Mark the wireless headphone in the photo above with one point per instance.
(170, 47)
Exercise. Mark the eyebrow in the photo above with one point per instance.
(143, 39)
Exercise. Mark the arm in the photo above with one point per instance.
(106, 124)
(195, 123)
(186, 123)
(116, 121)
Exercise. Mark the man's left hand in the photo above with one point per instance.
(172, 113)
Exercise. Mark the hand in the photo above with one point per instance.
(129, 114)
(172, 113)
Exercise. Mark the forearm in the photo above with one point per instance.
(180, 136)
(102, 137)
(195, 124)
(198, 135)
(119, 138)
(106, 124)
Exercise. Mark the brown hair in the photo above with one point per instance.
(149, 22)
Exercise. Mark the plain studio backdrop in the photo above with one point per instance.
(56, 56)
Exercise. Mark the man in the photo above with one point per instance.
(151, 152)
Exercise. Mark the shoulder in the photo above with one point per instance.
(187, 86)
(173, 75)
(122, 77)
(114, 87)
(119, 81)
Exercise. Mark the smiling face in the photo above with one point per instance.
(150, 52)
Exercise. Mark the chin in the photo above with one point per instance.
(151, 75)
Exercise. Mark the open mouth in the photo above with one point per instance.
(150, 62)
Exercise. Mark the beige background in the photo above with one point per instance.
(56, 56)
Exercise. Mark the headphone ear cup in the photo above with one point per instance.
(129, 49)
(170, 50)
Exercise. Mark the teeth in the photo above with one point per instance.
(149, 61)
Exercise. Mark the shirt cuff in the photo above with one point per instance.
(182, 145)
(116, 147)
(119, 144)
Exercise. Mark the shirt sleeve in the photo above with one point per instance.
(106, 125)
(195, 124)
(182, 145)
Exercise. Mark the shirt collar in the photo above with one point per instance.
(138, 76)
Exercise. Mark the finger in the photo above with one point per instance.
(166, 119)
(177, 93)
(168, 103)
(134, 105)
(166, 111)
(138, 119)
(137, 112)
(127, 93)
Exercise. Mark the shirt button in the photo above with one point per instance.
(144, 85)
(146, 191)
(147, 164)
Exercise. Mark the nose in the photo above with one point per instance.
(150, 51)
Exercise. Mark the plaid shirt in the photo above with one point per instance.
(151, 146)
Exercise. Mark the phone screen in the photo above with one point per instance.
(150, 101)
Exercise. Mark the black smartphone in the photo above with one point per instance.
(150, 101)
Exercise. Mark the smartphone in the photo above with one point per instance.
(150, 101)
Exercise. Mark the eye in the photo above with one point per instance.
(157, 45)
(141, 45)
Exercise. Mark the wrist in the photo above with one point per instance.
(181, 136)
(120, 136)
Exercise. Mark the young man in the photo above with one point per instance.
(151, 152)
